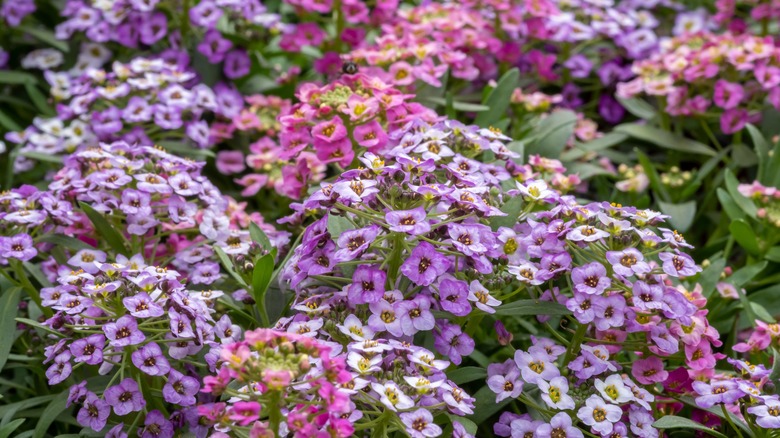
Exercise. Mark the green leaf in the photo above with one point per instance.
(39, 326)
(512, 208)
(485, 405)
(38, 99)
(760, 145)
(9, 307)
(259, 237)
(745, 204)
(261, 278)
(710, 276)
(639, 108)
(665, 139)
(457, 105)
(652, 175)
(35, 271)
(681, 214)
(54, 409)
(114, 239)
(531, 307)
(46, 36)
(467, 374)
(467, 424)
(186, 149)
(11, 427)
(702, 174)
(675, 422)
(773, 254)
(517, 147)
(8, 123)
(745, 236)
(772, 174)
(16, 77)
(65, 241)
(744, 275)
(498, 99)
(337, 225)
(228, 264)
(761, 313)
(586, 170)
(729, 206)
(552, 134)
(40, 156)
(581, 149)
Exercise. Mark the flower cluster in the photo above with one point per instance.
(288, 380)
(767, 200)
(697, 74)
(141, 327)
(429, 40)
(143, 101)
(612, 270)
(12, 12)
(334, 122)
(161, 206)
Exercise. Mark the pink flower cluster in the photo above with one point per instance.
(767, 200)
(696, 74)
(350, 115)
(428, 40)
(280, 384)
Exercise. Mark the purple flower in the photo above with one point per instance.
(467, 238)
(123, 332)
(156, 426)
(587, 364)
(180, 389)
(419, 424)
(678, 265)
(767, 414)
(452, 342)
(89, 349)
(453, 296)
(586, 233)
(425, 264)
(412, 222)
(582, 307)
(214, 47)
(60, 369)
(125, 397)
(184, 185)
(534, 368)
(142, 306)
(599, 415)
(137, 110)
(648, 297)
(590, 279)
(237, 64)
(628, 262)
(352, 243)
(415, 315)
(504, 380)
(150, 360)
(205, 273)
(725, 392)
(19, 247)
(368, 285)
(94, 413)
(560, 426)
(385, 318)
(610, 311)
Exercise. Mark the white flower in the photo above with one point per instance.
(614, 390)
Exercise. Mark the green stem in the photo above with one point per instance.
(574, 347)
(727, 415)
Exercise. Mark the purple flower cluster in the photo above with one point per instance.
(139, 325)
(144, 101)
(12, 12)
(161, 204)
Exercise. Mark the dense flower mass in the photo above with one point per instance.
(141, 327)
(336, 218)
(144, 101)
(700, 73)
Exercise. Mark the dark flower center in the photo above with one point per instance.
(124, 332)
(592, 281)
(355, 243)
(126, 396)
(424, 265)
(599, 414)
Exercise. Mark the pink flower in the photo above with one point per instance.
(244, 412)
(649, 371)
(728, 95)
(230, 162)
(371, 136)
(329, 132)
(359, 108)
(733, 120)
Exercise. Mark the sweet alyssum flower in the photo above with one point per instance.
(110, 332)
